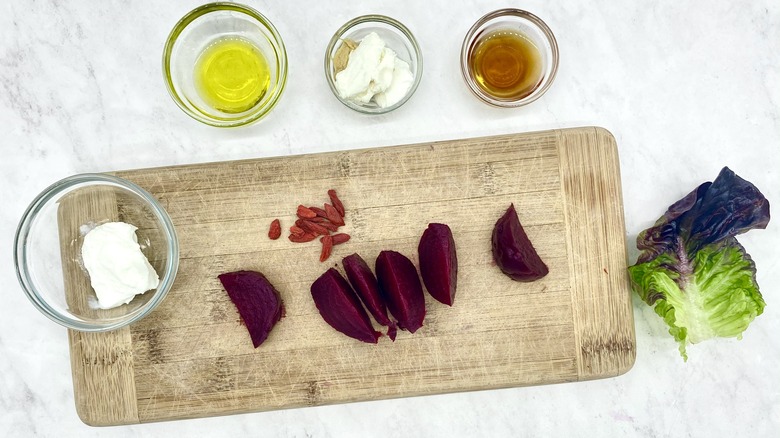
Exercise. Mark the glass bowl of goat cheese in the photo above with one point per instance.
(94, 252)
(373, 64)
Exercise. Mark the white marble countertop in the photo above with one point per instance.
(686, 88)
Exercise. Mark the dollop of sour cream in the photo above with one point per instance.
(374, 72)
(118, 270)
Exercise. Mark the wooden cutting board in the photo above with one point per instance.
(192, 357)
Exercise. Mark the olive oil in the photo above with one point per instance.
(506, 64)
(231, 75)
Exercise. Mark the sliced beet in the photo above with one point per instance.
(365, 284)
(392, 332)
(401, 289)
(439, 262)
(257, 301)
(340, 307)
(512, 249)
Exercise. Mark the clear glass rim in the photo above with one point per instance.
(20, 251)
(281, 62)
(466, 71)
(373, 18)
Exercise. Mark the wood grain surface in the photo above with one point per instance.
(192, 357)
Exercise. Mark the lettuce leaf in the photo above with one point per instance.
(691, 268)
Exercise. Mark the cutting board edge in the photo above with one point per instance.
(143, 420)
(593, 350)
(550, 132)
(107, 354)
(627, 365)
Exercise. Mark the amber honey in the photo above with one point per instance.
(506, 64)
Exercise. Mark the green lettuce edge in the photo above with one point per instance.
(720, 298)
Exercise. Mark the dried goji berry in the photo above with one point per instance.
(306, 225)
(336, 202)
(333, 215)
(299, 223)
(315, 228)
(296, 230)
(340, 238)
(302, 238)
(330, 226)
(305, 213)
(327, 247)
(275, 230)
(324, 222)
(319, 212)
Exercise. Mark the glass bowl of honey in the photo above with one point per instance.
(509, 58)
(225, 64)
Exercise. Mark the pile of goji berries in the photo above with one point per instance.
(315, 221)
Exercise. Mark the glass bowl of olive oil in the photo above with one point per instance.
(225, 64)
(509, 58)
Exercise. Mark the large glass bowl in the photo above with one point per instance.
(47, 250)
(201, 28)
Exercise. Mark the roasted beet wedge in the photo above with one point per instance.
(341, 308)
(401, 289)
(365, 284)
(513, 251)
(257, 300)
(439, 262)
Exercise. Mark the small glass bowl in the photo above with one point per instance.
(204, 26)
(396, 36)
(47, 249)
(527, 24)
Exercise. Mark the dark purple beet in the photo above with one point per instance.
(513, 251)
(365, 284)
(257, 301)
(392, 332)
(439, 262)
(341, 308)
(401, 289)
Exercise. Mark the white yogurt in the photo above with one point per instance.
(118, 270)
(399, 86)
